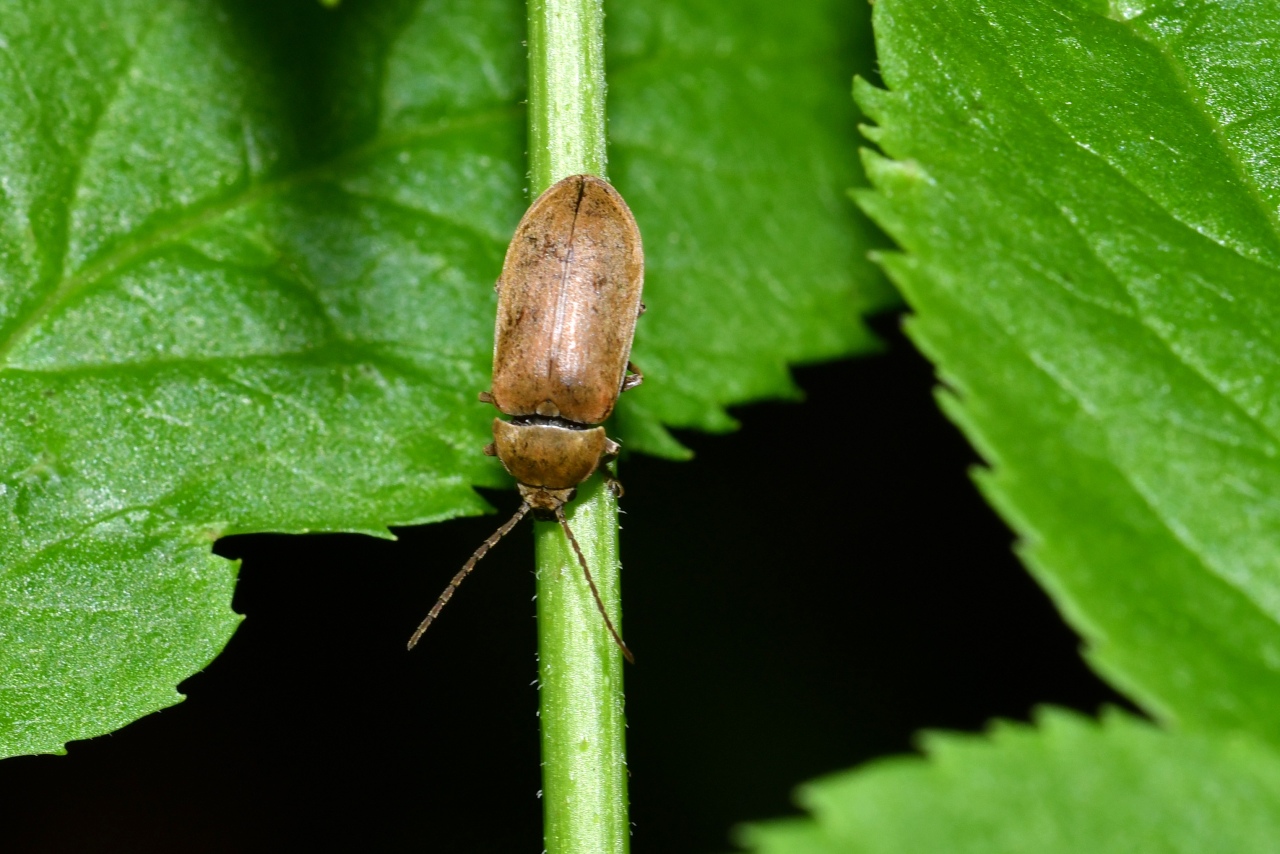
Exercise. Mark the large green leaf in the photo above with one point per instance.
(247, 252)
(1087, 198)
(1069, 786)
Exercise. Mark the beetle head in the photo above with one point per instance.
(548, 458)
(544, 502)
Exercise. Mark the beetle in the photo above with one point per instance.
(568, 300)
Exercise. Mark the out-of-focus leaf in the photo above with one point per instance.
(729, 128)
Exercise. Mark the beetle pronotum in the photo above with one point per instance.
(568, 299)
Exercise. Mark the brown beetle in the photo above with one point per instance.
(568, 299)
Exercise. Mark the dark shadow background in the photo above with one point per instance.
(805, 595)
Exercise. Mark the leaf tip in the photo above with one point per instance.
(871, 99)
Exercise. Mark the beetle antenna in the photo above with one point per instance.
(466, 570)
(608, 624)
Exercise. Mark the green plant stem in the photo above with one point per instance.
(584, 774)
(584, 771)
(566, 91)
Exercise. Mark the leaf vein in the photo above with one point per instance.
(133, 250)
(1252, 190)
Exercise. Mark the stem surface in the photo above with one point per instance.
(584, 774)
(566, 91)
(584, 763)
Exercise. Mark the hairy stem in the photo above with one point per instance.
(584, 775)
(566, 90)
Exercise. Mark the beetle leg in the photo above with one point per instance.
(490, 450)
(486, 397)
(614, 485)
(611, 450)
(643, 309)
(633, 378)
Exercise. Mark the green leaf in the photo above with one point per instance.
(728, 129)
(222, 314)
(1087, 202)
(1070, 785)
(247, 252)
